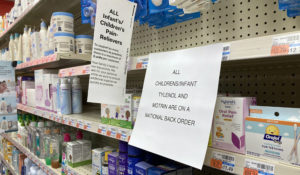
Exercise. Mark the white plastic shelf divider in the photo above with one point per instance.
(89, 121)
(82, 170)
(239, 166)
(9, 166)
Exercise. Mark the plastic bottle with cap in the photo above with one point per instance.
(76, 96)
(31, 136)
(65, 97)
(39, 140)
(11, 48)
(16, 41)
(67, 138)
(47, 141)
(43, 39)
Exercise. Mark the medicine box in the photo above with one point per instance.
(113, 163)
(74, 151)
(274, 133)
(118, 115)
(141, 168)
(228, 131)
(97, 159)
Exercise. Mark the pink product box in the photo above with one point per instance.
(228, 130)
(43, 81)
(26, 85)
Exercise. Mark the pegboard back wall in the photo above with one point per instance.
(226, 21)
(273, 81)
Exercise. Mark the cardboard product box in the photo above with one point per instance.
(274, 133)
(228, 130)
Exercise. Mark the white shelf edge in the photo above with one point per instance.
(280, 168)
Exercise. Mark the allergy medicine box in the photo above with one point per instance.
(274, 133)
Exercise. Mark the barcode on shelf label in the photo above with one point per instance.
(142, 63)
(87, 126)
(123, 135)
(226, 52)
(73, 122)
(65, 120)
(80, 124)
(288, 44)
(113, 132)
(228, 161)
(262, 167)
(102, 129)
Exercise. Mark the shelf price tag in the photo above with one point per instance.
(122, 135)
(79, 124)
(113, 132)
(73, 122)
(254, 167)
(223, 161)
(87, 126)
(58, 119)
(286, 45)
(102, 129)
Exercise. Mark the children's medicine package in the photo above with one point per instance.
(229, 123)
(274, 133)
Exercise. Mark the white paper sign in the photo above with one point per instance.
(112, 39)
(177, 104)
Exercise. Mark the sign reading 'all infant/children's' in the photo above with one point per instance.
(111, 47)
(177, 104)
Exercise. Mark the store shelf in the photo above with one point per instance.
(75, 71)
(82, 170)
(17, 22)
(9, 166)
(43, 9)
(239, 164)
(89, 120)
(54, 61)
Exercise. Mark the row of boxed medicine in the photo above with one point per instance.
(266, 132)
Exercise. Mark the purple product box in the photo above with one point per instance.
(113, 163)
(141, 168)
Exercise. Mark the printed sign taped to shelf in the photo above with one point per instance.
(111, 47)
(178, 102)
(286, 45)
(262, 168)
(223, 161)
